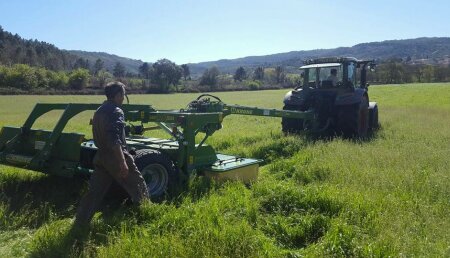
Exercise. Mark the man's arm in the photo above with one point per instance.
(118, 155)
(114, 131)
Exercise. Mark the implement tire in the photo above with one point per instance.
(353, 120)
(291, 125)
(158, 170)
(375, 123)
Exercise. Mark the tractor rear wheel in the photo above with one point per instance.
(353, 120)
(291, 125)
(158, 170)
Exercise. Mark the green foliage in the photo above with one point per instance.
(397, 72)
(279, 74)
(144, 70)
(102, 78)
(240, 74)
(292, 80)
(22, 77)
(98, 66)
(253, 85)
(119, 70)
(186, 71)
(81, 63)
(209, 77)
(165, 73)
(16, 50)
(78, 78)
(258, 74)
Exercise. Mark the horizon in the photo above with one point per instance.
(214, 33)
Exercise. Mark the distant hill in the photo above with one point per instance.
(131, 65)
(419, 50)
(15, 49)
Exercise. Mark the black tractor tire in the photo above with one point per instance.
(159, 172)
(353, 120)
(290, 125)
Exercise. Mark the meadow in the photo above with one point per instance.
(385, 196)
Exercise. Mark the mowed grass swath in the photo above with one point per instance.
(389, 195)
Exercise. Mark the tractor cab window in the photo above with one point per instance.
(325, 75)
(351, 69)
(330, 76)
(312, 76)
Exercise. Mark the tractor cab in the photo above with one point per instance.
(335, 72)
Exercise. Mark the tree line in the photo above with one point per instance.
(165, 76)
(35, 66)
(395, 72)
(16, 50)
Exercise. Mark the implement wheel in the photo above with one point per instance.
(159, 172)
(375, 124)
(353, 120)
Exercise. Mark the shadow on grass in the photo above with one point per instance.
(33, 201)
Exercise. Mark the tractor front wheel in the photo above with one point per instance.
(159, 172)
(291, 125)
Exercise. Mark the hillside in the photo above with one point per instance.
(420, 50)
(131, 65)
(15, 49)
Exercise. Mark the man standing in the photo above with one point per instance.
(112, 160)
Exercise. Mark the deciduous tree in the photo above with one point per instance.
(209, 77)
(240, 74)
(186, 71)
(165, 73)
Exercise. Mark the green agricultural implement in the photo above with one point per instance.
(163, 162)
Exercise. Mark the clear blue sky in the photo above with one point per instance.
(205, 30)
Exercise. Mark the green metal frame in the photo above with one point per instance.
(182, 125)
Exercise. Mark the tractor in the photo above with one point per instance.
(336, 90)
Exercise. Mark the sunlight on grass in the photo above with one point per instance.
(387, 196)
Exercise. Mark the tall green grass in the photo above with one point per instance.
(387, 196)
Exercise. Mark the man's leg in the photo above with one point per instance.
(133, 183)
(98, 186)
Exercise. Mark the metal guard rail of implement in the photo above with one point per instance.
(253, 111)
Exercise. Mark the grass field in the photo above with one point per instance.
(387, 196)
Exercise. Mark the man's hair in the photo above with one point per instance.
(112, 88)
(333, 71)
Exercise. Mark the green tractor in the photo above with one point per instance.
(336, 90)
